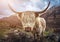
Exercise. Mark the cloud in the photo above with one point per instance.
(33, 5)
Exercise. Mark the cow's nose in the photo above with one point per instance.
(27, 29)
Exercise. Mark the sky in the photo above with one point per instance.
(24, 5)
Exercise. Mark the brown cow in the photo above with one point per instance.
(31, 19)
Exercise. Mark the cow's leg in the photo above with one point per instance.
(40, 26)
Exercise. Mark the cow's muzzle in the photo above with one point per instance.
(28, 29)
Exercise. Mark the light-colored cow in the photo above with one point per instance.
(31, 19)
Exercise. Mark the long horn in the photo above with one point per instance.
(12, 9)
(44, 9)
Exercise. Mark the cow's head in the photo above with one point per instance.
(28, 17)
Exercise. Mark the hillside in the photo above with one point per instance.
(11, 21)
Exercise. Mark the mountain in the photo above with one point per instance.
(52, 17)
(51, 11)
(11, 21)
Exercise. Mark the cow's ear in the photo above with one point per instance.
(19, 14)
(36, 14)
